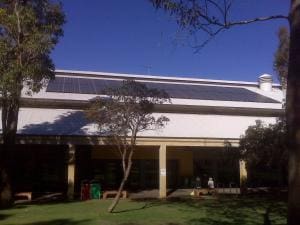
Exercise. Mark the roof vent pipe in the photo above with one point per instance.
(265, 82)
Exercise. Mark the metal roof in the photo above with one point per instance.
(180, 91)
(168, 78)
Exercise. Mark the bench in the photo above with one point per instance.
(27, 195)
(204, 191)
(200, 191)
(111, 194)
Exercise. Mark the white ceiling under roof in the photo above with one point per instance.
(34, 121)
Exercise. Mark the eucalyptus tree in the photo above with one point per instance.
(29, 30)
(212, 17)
(281, 56)
(126, 112)
(264, 148)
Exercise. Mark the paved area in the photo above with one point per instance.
(177, 193)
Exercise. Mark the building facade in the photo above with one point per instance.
(58, 147)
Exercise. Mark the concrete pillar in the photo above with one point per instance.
(163, 171)
(71, 170)
(243, 175)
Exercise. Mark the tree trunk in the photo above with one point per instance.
(5, 185)
(10, 113)
(125, 177)
(293, 115)
(6, 198)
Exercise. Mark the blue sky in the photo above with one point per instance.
(132, 37)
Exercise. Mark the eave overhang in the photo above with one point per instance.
(164, 108)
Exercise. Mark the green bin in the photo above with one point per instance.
(95, 191)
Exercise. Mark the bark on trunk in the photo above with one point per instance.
(6, 191)
(10, 99)
(121, 187)
(6, 197)
(10, 113)
(293, 115)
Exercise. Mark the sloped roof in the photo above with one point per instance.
(179, 91)
(84, 86)
(199, 108)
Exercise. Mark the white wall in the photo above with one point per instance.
(72, 122)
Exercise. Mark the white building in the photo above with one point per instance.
(205, 117)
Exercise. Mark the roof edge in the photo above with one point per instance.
(164, 108)
(158, 78)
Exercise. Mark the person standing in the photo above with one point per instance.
(210, 183)
(198, 182)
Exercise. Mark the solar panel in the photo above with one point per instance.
(183, 91)
(99, 86)
(71, 85)
(86, 86)
(55, 85)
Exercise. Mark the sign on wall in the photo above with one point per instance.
(163, 172)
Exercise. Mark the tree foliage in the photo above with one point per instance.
(228, 161)
(29, 30)
(122, 115)
(281, 57)
(264, 148)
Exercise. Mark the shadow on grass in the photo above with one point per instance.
(4, 216)
(219, 210)
(58, 222)
(148, 204)
(20, 205)
(254, 211)
(142, 223)
(130, 224)
(222, 210)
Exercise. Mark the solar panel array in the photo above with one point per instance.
(183, 91)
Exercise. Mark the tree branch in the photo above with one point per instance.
(259, 19)
(211, 16)
(228, 25)
(216, 5)
(212, 36)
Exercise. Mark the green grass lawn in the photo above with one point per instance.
(221, 211)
